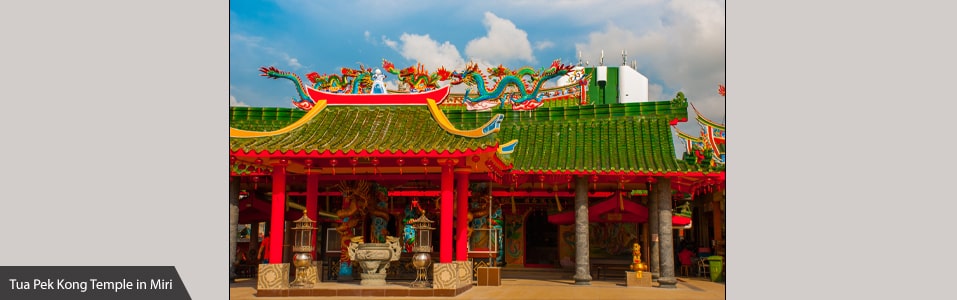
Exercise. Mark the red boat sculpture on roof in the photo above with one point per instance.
(365, 87)
(379, 99)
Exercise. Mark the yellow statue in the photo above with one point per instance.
(637, 266)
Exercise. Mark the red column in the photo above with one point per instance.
(461, 224)
(312, 205)
(277, 220)
(445, 216)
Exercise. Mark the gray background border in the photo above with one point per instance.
(115, 129)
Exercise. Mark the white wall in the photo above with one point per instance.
(632, 86)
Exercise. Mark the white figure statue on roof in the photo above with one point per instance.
(378, 83)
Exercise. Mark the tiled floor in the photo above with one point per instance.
(534, 288)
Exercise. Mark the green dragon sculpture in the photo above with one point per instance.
(359, 80)
(526, 90)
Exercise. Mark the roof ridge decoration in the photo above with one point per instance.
(507, 148)
(239, 133)
(521, 88)
(418, 78)
(492, 126)
(709, 147)
(363, 89)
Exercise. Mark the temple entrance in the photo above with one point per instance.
(541, 241)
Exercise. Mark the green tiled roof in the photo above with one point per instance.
(626, 144)
(631, 137)
(345, 128)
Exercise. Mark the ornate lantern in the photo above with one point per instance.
(302, 249)
(422, 247)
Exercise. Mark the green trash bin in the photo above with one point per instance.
(717, 266)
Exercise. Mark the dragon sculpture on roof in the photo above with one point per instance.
(352, 81)
(521, 88)
(417, 78)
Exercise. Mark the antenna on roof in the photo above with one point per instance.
(624, 57)
(579, 58)
(634, 64)
(601, 61)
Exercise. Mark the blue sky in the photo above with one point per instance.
(678, 45)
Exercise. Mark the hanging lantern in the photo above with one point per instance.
(425, 164)
(541, 180)
(259, 161)
(354, 161)
(594, 182)
(568, 180)
(375, 165)
(475, 160)
(333, 162)
(400, 162)
(255, 182)
(308, 164)
(232, 160)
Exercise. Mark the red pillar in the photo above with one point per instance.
(461, 226)
(312, 205)
(445, 216)
(277, 220)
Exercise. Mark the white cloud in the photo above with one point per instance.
(293, 62)
(234, 102)
(504, 42)
(542, 45)
(427, 51)
(392, 44)
(685, 53)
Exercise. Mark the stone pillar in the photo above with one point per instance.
(312, 205)
(445, 216)
(665, 242)
(645, 238)
(582, 275)
(461, 216)
(233, 223)
(716, 210)
(253, 252)
(277, 216)
(654, 263)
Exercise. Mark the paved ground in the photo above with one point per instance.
(542, 287)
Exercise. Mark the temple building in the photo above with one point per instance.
(516, 175)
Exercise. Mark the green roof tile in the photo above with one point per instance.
(632, 137)
(355, 128)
